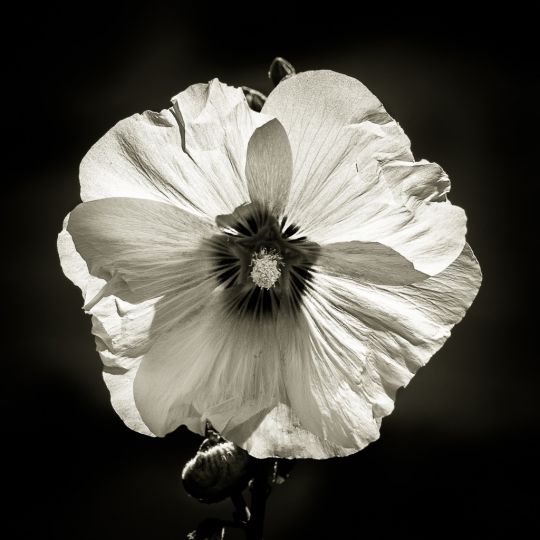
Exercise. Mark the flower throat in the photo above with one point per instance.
(263, 264)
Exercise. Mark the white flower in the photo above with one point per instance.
(280, 274)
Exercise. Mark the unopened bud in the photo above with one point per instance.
(254, 98)
(219, 469)
(279, 70)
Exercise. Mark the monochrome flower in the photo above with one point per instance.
(280, 274)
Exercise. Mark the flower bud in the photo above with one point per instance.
(219, 469)
(254, 98)
(279, 70)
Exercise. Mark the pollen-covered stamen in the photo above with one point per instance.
(266, 268)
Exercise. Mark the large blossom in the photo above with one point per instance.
(280, 274)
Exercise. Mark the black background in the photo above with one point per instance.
(458, 454)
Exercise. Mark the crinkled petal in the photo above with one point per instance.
(269, 167)
(314, 386)
(277, 432)
(152, 247)
(226, 369)
(151, 264)
(428, 232)
(333, 123)
(354, 177)
(74, 266)
(416, 183)
(119, 370)
(126, 238)
(217, 123)
(366, 341)
(120, 384)
(198, 165)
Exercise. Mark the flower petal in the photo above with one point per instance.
(138, 240)
(216, 124)
(367, 262)
(198, 165)
(277, 432)
(119, 371)
(415, 183)
(151, 270)
(354, 177)
(366, 341)
(120, 384)
(314, 387)
(74, 266)
(269, 166)
(226, 369)
(428, 232)
(331, 120)
(150, 246)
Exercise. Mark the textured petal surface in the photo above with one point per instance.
(368, 262)
(217, 124)
(198, 164)
(317, 386)
(119, 381)
(150, 246)
(333, 122)
(354, 176)
(269, 167)
(150, 279)
(370, 340)
(226, 370)
(428, 232)
(119, 370)
(364, 342)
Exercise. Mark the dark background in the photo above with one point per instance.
(458, 454)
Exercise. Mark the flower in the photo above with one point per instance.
(280, 274)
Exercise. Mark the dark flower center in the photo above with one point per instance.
(263, 264)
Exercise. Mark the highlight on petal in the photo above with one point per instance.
(430, 233)
(75, 268)
(217, 123)
(148, 245)
(277, 432)
(415, 183)
(226, 379)
(321, 387)
(120, 384)
(333, 122)
(269, 167)
(367, 341)
(119, 369)
(149, 280)
(354, 176)
(363, 343)
(197, 165)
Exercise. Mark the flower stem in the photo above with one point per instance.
(241, 511)
(259, 492)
